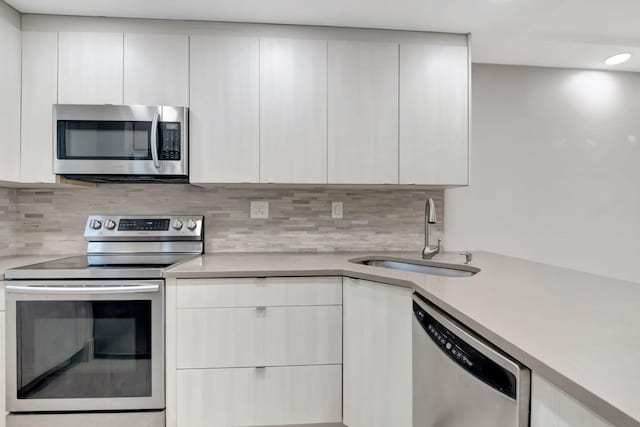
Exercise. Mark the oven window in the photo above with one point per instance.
(104, 140)
(83, 349)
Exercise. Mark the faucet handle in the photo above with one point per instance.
(468, 257)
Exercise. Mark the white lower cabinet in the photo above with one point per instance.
(259, 292)
(377, 354)
(254, 351)
(552, 407)
(259, 396)
(262, 336)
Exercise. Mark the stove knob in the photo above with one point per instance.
(95, 224)
(191, 225)
(177, 224)
(109, 225)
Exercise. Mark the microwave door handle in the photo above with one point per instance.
(82, 290)
(154, 140)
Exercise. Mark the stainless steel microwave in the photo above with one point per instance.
(104, 143)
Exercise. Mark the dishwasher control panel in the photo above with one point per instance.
(467, 357)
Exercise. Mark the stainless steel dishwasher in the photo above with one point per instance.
(461, 381)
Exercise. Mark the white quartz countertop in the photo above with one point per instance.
(579, 331)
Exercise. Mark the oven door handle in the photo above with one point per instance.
(83, 290)
(154, 140)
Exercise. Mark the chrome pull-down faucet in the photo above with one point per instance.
(429, 218)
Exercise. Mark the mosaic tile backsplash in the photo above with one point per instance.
(51, 221)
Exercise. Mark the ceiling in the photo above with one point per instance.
(564, 33)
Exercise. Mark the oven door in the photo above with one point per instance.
(85, 345)
(120, 140)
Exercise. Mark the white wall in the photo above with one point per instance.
(555, 169)
(10, 66)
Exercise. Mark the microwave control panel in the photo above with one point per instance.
(170, 143)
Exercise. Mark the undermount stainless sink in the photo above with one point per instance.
(417, 266)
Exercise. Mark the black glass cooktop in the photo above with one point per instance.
(99, 267)
(108, 261)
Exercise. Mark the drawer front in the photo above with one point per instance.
(259, 397)
(249, 337)
(251, 292)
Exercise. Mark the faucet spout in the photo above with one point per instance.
(429, 218)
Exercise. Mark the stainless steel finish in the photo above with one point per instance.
(417, 266)
(468, 257)
(172, 234)
(78, 289)
(154, 140)
(429, 252)
(123, 113)
(191, 225)
(141, 247)
(444, 394)
(120, 257)
(108, 419)
(177, 224)
(155, 401)
(139, 254)
(89, 274)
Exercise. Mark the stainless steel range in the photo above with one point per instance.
(85, 335)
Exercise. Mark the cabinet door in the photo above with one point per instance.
(224, 117)
(259, 292)
(377, 355)
(156, 69)
(39, 93)
(10, 94)
(263, 336)
(363, 113)
(434, 111)
(293, 111)
(90, 68)
(290, 395)
(552, 407)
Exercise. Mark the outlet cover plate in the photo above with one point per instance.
(337, 210)
(259, 210)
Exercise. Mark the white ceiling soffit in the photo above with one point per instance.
(564, 33)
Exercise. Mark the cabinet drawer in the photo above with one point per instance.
(259, 397)
(251, 292)
(249, 337)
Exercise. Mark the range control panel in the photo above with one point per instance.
(144, 227)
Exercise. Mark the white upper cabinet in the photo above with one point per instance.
(224, 116)
(363, 113)
(90, 68)
(293, 111)
(434, 111)
(10, 41)
(156, 69)
(39, 93)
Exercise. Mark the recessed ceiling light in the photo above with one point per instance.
(618, 59)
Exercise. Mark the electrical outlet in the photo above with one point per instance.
(259, 210)
(336, 210)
